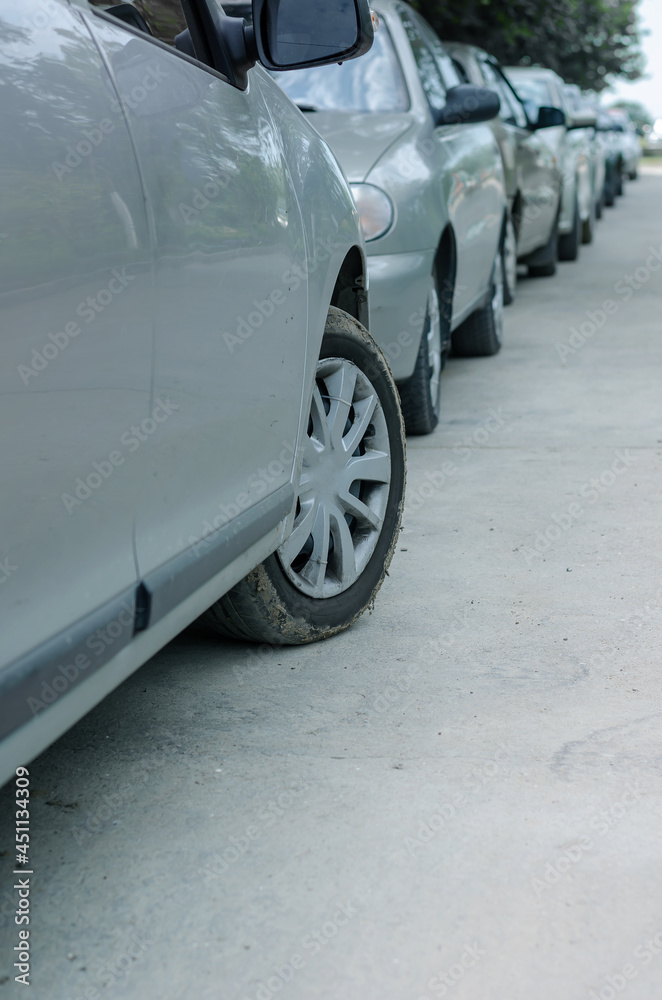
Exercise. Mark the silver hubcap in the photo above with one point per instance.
(510, 257)
(434, 346)
(497, 298)
(343, 491)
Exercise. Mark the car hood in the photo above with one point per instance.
(359, 139)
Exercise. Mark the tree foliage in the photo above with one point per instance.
(585, 41)
(639, 114)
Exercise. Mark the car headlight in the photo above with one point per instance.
(375, 210)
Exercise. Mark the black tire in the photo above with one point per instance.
(598, 205)
(633, 175)
(266, 606)
(619, 186)
(610, 193)
(481, 333)
(569, 242)
(588, 226)
(509, 262)
(546, 258)
(420, 395)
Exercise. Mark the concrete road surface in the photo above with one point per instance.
(462, 795)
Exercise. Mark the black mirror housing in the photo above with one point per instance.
(550, 118)
(293, 34)
(285, 34)
(467, 104)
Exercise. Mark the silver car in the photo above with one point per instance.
(570, 143)
(196, 415)
(627, 142)
(532, 171)
(428, 182)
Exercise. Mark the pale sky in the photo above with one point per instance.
(648, 90)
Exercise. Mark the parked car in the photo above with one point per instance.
(606, 136)
(628, 142)
(428, 183)
(571, 145)
(532, 172)
(199, 420)
(581, 106)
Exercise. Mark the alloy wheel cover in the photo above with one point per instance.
(344, 484)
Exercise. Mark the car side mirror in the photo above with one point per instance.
(284, 34)
(549, 118)
(585, 119)
(468, 104)
(293, 34)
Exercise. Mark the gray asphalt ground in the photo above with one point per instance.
(462, 795)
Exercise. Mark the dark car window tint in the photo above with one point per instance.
(372, 83)
(164, 17)
(428, 70)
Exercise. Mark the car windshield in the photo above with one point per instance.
(532, 89)
(374, 82)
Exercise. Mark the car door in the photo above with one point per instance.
(230, 312)
(468, 163)
(537, 173)
(75, 350)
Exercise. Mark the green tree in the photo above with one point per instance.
(585, 41)
(639, 114)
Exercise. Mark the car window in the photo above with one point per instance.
(519, 113)
(536, 90)
(428, 71)
(511, 110)
(372, 83)
(461, 71)
(165, 18)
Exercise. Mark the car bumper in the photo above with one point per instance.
(399, 287)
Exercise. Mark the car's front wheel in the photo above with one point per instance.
(348, 508)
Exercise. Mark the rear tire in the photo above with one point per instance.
(509, 259)
(588, 226)
(547, 258)
(569, 242)
(420, 394)
(349, 504)
(481, 333)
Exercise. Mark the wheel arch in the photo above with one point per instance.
(351, 287)
(444, 270)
